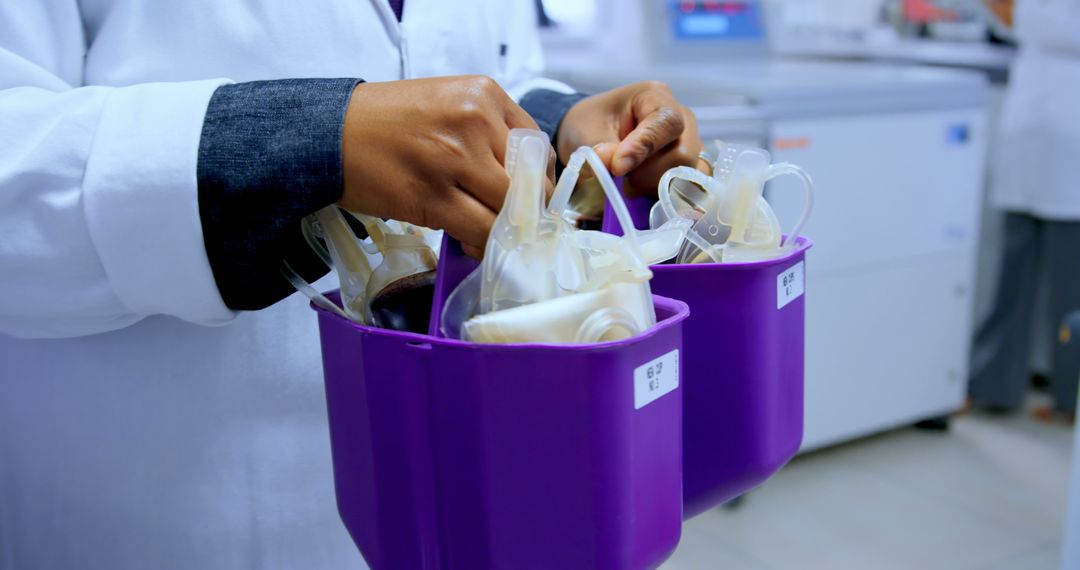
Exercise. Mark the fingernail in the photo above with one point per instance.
(624, 164)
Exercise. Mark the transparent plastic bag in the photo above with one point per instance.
(543, 280)
(386, 279)
(732, 220)
(399, 292)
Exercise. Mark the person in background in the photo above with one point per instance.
(1036, 181)
(161, 400)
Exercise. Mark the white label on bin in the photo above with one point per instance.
(656, 378)
(789, 285)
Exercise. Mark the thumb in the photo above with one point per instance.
(659, 122)
(606, 152)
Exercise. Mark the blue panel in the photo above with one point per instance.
(716, 20)
(959, 133)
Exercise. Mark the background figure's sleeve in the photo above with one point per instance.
(548, 108)
(1052, 25)
(99, 212)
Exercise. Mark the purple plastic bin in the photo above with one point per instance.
(742, 366)
(743, 373)
(450, 455)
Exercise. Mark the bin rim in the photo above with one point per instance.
(802, 243)
(677, 311)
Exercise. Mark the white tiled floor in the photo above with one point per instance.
(989, 494)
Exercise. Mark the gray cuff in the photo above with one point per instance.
(548, 108)
(270, 154)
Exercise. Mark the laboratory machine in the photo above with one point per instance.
(897, 154)
(879, 31)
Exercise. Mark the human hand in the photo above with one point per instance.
(430, 152)
(639, 130)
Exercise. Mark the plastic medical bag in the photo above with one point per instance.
(387, 278)
(732, 220)
(543, 280)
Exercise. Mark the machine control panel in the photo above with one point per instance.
(716, 19)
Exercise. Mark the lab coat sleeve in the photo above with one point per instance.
(1052, 25)
(99, 219)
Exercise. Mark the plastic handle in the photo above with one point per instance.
(376, 229)
(527, 153)
(784, 168)
(336, 230)
(454, 266)
(309, 228)
(663, 192)
(560, 199)
(301, 285)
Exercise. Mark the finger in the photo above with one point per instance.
(704, 166)
(486, 180)
(473, 252)
(518, 118)
(642, 181)
(465, 218)
(514, 117)
(606, 152)
(659, 121)
(691, 140)
(549, 186)
(549, 179)
(685, 152)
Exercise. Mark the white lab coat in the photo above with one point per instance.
(1037, 165)
(132, 434)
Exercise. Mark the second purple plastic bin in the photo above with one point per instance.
(742, 368)
(743, 374)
